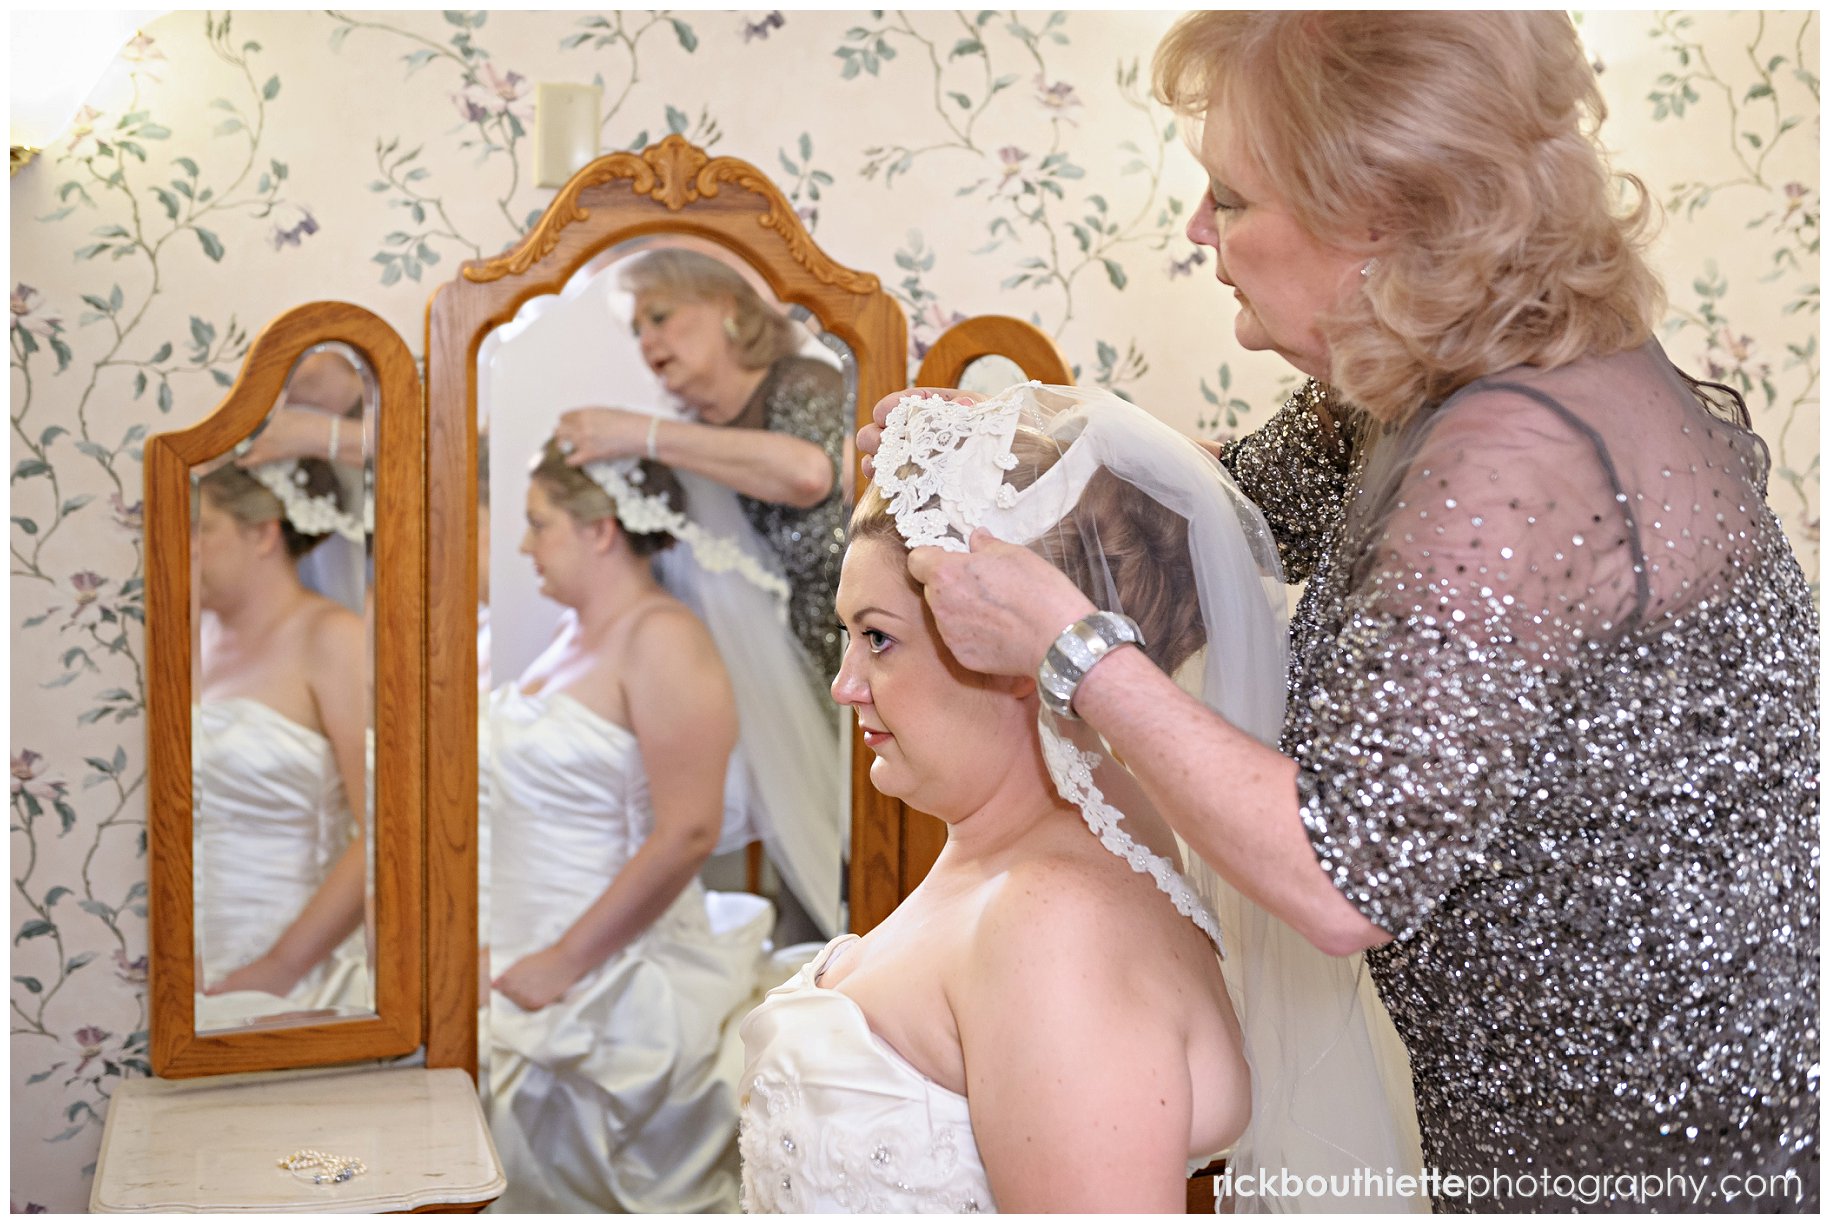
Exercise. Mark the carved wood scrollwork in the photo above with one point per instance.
(675, 173)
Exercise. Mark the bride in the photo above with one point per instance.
(1043, 1024)
(610, 1089)
(280, 746)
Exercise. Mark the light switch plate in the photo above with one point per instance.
(565, 130)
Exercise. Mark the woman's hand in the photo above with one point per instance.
(871, 436)
(999, 607)
(297, 433)
(601, 433)
(539, 978)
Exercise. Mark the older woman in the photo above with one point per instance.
(1552, 745)
(767, 423)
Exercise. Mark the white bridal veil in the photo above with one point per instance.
(1124, 504)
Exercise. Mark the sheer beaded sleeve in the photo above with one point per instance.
(806, 399)
(1487, 548)
(1295, 469)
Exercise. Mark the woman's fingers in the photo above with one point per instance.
(870, 437)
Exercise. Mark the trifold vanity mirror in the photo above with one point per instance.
(315, 820)
(339, 606)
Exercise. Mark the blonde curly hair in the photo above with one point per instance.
(1456, 147)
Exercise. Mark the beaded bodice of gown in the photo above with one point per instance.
(833, 1119)
(806, 399)
(1554, 708)
(271, 818)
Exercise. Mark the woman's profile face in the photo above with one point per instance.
(226, 550)
(558, 544)
(683, 343)
(1283, 278)
(942, 736)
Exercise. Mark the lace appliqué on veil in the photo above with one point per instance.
(641, 513)
(795, 1161)
(1072, 771)
(941, 466)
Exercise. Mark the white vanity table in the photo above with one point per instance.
(214, 1144)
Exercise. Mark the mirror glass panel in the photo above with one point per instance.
(991, 374)
(281, 590)
(750, 405)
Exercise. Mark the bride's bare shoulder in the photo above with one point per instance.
(1062, 915)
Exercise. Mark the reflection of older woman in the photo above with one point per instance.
(770, 425)
(1552, 748)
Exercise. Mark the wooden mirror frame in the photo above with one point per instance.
(178, 1051)
(1025, 344)
(672, 187)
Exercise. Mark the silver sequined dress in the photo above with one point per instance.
(1554, 707)
(806, 399)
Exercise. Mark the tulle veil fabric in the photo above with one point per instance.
(784, 787)
(1331, 1092)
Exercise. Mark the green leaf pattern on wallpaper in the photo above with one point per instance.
(1732, 95)
(1050, 224)
(152, 210)
(978, 162)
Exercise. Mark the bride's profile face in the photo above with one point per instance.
(942, 736)
(558, 544)
(225, 550)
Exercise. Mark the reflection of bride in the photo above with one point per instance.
(611, 1081)
(279, 742)
(1042, 1024)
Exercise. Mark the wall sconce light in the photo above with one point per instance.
(58, 59)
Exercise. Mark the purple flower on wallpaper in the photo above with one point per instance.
(1731, 354)
(88, 587)
(302, 225)
(83, 126)
(1186, 267)
(142, 50)
(760, 29)
(27, 765)
(130, 971)
(26, 304)
(1059, 97)
(482, 100)
(90, 1037)
(809, 215)
(28, 1209)
(131, 519)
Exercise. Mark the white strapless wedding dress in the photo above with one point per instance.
(620, 1096)
(271, 820)
(834, 1120)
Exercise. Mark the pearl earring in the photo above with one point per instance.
(1366, 269)
(730, 328)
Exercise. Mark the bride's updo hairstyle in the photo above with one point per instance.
(1121, 548)
(582, 498)
(246, 500)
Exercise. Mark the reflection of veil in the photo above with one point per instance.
(338, 567)
(785, 773)
(1052, 468)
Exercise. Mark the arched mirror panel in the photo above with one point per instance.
(287, 748)
(663, 297)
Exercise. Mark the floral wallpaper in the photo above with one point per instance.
(234, 164)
